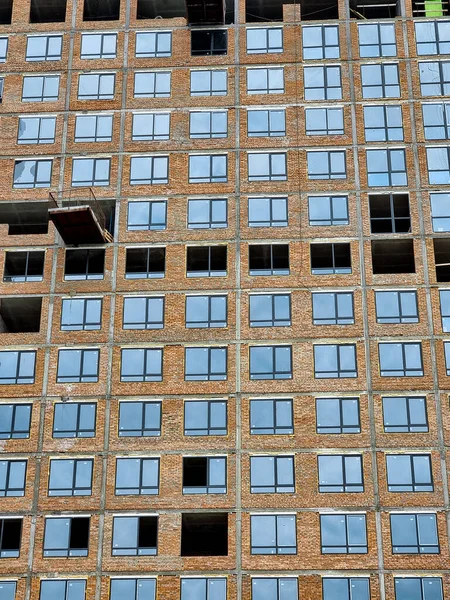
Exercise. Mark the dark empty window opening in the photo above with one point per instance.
(145, 263)
(42, 11)
(24, 266)
(442, 259)
(84, 264)
(389, 213)
(21, 314)
(256, 11)
(374, 9)
(204, 534)
(10, 534)
(204, 475)
(208, 42)
(393, 256)
(157, 9)
(101, 10)
(24, 218)
(268, 259)
(206, 261)
(5, 12)
(135, 536)
(328, 259)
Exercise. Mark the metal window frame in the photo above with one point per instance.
(267, 49)
(340, 373)
(341, 427)
(41, 97)
(445, 121)
(329, 174)
(18, 379)
(274, 374)
(100, 53)
(328, 130)
(326, 87)
(445, 314)
(209, 178)
(78, 377)
(209, 376)
(87, 275)
(278, 548)
(267, 89)
(346, 546)
(438, 218)
(77, 429)
(143, 377)
(64, 552)
(208, 488)
(152, 137)
(148, 274)
(97, 139)
(379, 43)
(210, 224)
(24, 277)
(335, 319)
(269, 132)
(417, 548)
(152, 90)
(209, 272)
(145, 324)
(137, 548)
(14, 492)
(210, 134)
(136, 581)
(34, 183)
(157, 53)
(272, 222)
(403, 368)
(384, 126)
(210, 91)
(390, 171)
(383, 86)
(148, 226)
(392, 208)
(436, 41)
(38, 139)
(45, 56)
(143, 490)
(413, 486)
(208, 323)
(401, 318)
(210, 430)
(142, 431)
(8, 552)
(344, 487)
(409, 426)
(67, 582)
(207, 588)
(71, 491)
(435, 169)
(442, 81)
(276, 429)
(213, 51)
(422, 582)
(334, 222)
(3, 57)
(82, 326)
(270, 176)
(93, 181)
(324, 46)
(98, 95)
(277, 488)
(333, 270)
(278, 580)
(8, 435)
(349, 586)
(273, 322)
(270, 270)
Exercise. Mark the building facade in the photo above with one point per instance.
(225, 310)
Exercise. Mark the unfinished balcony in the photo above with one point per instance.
(82, 219)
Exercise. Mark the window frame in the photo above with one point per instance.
(273, 221)
(340, 373)
(7, 490)
(13, 432)
(346, 547)
(436, 41)
(67, 552)
(144, 377)
(277, 487)
(279, 580)
(68, 582)
(78, 431)
(274, 321)
(38, 139)
(267, 88)
(379, 44)
(210, 487)
(327, 130)
(84, 325)
(212, 223)
(211, 132)
(18, 378)
(149, 226)
(157, 53)
(79, 377)
(278, 548)
(136, 581)
(409, 426)
(422, 585)
(421, 548)
(143, 431)
(402, 318)
(413, 484)
(271, 130)
(101, 53)
(326, 90)
(10, 552)
(138, 550)
(384, 86)
(209, 177)
(209, 595)
(71, 491)
(341, 428)
(275, 374)
(142, 490)
(443, 82)
(323, 47)
(46, 56)
(332, 221)
(344, 486)
(383, 126)
(208, 322)
(389, 152)
(276, 429)
(208, 375)
(144, 325)
(211, 91)
(210, 429)
(95, 137)
(268, 48)
(99, 95)
(349, 587)
(336, 319)
(404, 371)
(41, 164)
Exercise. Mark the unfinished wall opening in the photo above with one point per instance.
(272, 10)
(389, 213)
(209, 42)
(84, 264)
(24, 218)
(20, 314)
(101, 10)
(6, 12)
(430, 8)
(393, 256)
(329, 259)
(374, 9)
(442, 259)
(160, 9)
(24, 266)
(48, 11)
(204, 534)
